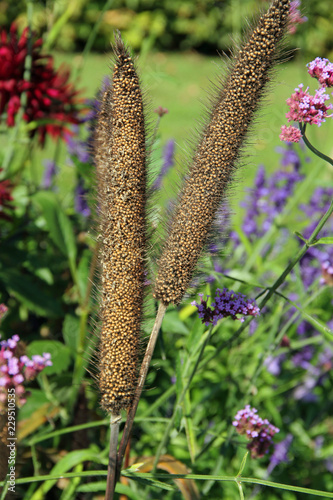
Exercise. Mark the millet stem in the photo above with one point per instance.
(111, 479)
(142, 377)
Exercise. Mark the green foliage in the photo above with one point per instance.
(199, 378)
(204, 25)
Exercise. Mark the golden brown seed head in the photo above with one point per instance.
(216, 156)
(120, 153)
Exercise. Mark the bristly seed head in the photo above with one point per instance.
(120, 154)
(217, 154)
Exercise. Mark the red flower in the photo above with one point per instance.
(5, 198)
(51, 100)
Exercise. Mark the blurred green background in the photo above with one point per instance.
(164, 25)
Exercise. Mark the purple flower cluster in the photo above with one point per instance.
(16, 369)
(318, 260)
(280, 453)
(270, 194)
(322, 69)
(315, 374)
(3, 310)
(227, 304)
(260, 432)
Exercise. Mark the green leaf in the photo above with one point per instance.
(60, 354)
(327, 240)
(173, 324)
(58, 224)
(66, 463)
(32, 292)
(83, 272)
(70, 331)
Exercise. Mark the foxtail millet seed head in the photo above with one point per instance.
(120, 156)
(216, 156)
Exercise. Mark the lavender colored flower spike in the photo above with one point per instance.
(260, 432)
(50, 172)
(226, 304)
(168, 162)
(81, 205)
(280, 453)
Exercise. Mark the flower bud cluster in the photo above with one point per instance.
(322, 69)
(16, 369)
(227, 304)
(260, 432)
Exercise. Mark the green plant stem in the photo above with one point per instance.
(180, 400)
(166, 477)
(91, 38)
(312, 148)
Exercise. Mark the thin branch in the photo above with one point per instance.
(142, 377)
(111, 479)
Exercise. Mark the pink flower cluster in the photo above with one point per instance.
(260, 432)
(15, 369)
(322, 69)
(295, 17)
(306, 108)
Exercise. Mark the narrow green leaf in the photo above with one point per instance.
(58, 224)
(70, 331)
(242, 465)
(326, 240)
(189, 429)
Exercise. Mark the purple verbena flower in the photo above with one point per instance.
(322, 70)
(168, 161)
(280, 453)
(81, 205)
(3, 310)
(305, 108)
(226, 304)
(50, 172)
(14, 370)
(290, 134)
(260, 432)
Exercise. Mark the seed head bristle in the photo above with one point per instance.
(120, 154)
(217, 154)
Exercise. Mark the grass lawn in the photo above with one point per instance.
(181, 82)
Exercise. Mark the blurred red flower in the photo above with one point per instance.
(5, 198)
(51, 101)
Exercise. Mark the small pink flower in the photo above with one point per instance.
(260, 432)
(3, 310)
(161, 111)
(290, 134)
(322, 69)
(305, 108)
(295, 17)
